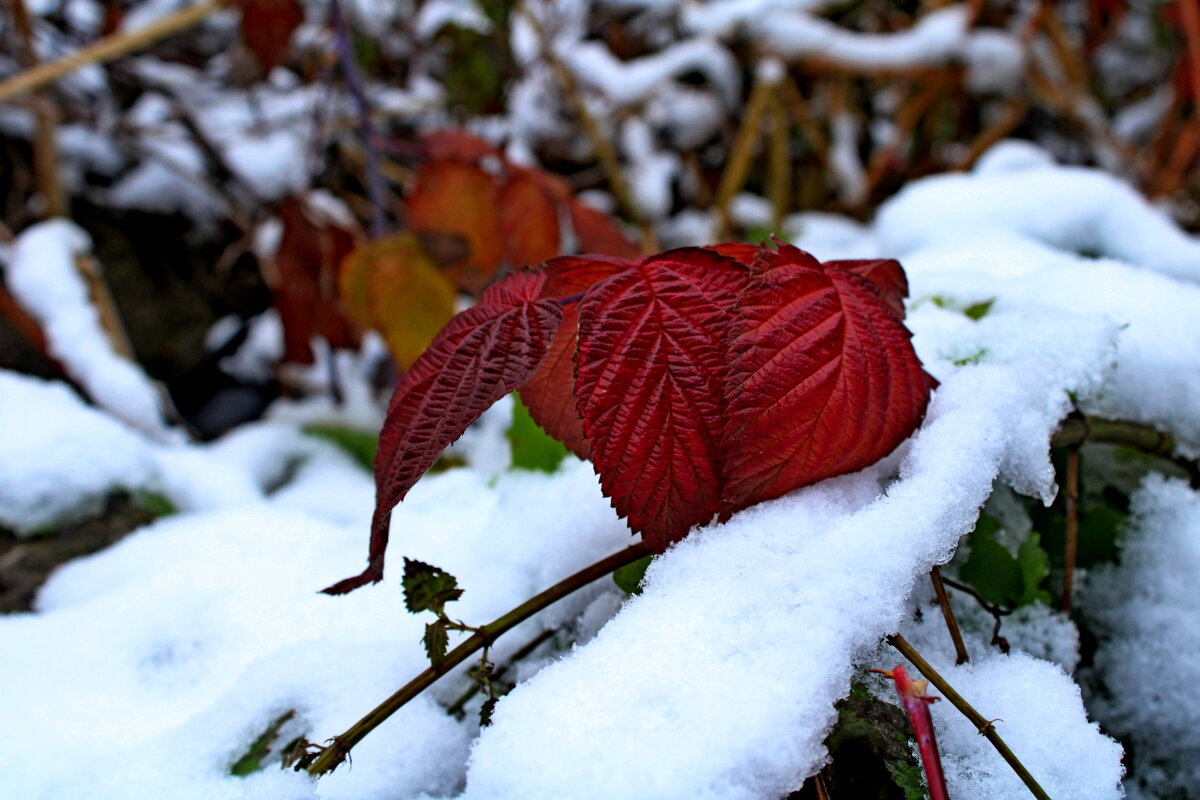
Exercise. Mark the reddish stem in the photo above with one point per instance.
(916, 703)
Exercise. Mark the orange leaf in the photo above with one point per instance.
(529, 219)
(449, 197)
(303, 277)
(392, 286)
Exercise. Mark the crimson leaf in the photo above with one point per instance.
(822, 378)
(650, 388)
(481, 355)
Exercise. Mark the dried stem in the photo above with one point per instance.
(107, 49)
(960, 648)
(1083, 429)
(1072, 525)
(366, 129)
(805, 119)
(329, 757)
(779, 169)
(1191, 27)
(1014, 112)
(917, 105)
(978, 720)
(45, 142)
(741, 154)
(997, 612)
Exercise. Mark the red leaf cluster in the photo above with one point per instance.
(502, 214)
(700, 381)
(267, 27)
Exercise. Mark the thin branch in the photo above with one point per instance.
(978, 720)
(1083, 429)
(327, 758)
(960, 648)
(107, 49)
(455, 709)
(779, 166)
(1014, 112)
(375, 186)
(45, 142)
(1072, 526)
(741, 154)
(997, 612)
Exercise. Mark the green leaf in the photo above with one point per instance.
(252, 760)
(629, 577)
(428, 588)
(978, 311)
(154, 503)
(993, 571)
(532, 447)
(1035, 566)
(436, 641)
(1097, 538)
(485, 712)
(359, 445)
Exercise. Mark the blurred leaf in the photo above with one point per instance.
(155, 503)
(359, 445)
(529, 218)
(978, 311)
(599, 233)
(390, 285)
(629, 577)
(1097, 537)
(303, 273)
(1035, 567)
(532, 447)
(252, 760)
(477, 66)
(428, 588)
(267, 27)
(457, 198)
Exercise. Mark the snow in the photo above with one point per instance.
(58, 457)
(629, 82)
(42, 275)
(1145, 679)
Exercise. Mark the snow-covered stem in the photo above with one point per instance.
(332, 755)
(107, 49)
(978, 720)
(1078, 430)
(960, 648)
(366, 129)
(1071, 490)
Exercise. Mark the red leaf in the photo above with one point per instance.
(916, 703)
(550, 393)
(303, 275)
(481, 355)
(822, 378)
(528, 220)
(267, 27)
(651, 377)
(887, 276)
(597, 232)
(452, 144)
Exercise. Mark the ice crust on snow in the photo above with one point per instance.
(42, 274)
(1145, 680)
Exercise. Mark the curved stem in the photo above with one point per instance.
(985, 726)
(1078, 430)
(960, 648)
(339, 747)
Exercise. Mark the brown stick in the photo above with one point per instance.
(1014, 111)
(960, 648)
(1072, 526)
(741, 155)
(805, 119)
(45, 141)
(917, 105)
(779, 165)
(107, 49)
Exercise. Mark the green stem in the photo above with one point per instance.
(328, 759)
(985, 726)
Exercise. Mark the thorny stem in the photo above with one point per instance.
(366, 128)
(1072, 525)
(455, 709)
(978, 720)
(960, 649)
(329, 757)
